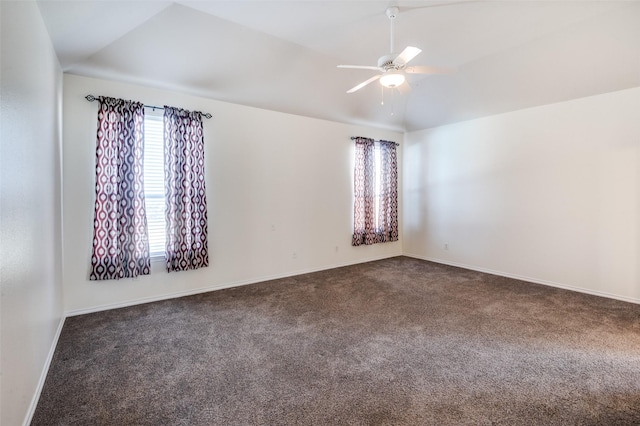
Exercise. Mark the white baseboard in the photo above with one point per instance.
(529, 279)
(232, 284)
(43, 374)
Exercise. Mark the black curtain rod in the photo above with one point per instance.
(356, 137)
(92, 98)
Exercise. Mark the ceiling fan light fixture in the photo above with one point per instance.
(392, 79)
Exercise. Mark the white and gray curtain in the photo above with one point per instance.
(186, 208)
(120, 243)
(376, 192)
(120, 237)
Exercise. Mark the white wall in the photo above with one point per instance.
(550, 194)
(276, 184)
(30, 209)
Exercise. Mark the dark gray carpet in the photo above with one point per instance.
(397, 341)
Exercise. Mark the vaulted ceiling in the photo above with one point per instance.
(282, 55)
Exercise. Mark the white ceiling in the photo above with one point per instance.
(282, 55)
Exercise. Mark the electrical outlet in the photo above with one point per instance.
(294, 255)
(446, 246)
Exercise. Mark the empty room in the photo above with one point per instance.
(356, 212)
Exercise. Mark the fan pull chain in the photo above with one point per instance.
(392, 103)
(382, 95)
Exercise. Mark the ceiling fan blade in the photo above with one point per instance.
(432, 5)
(360, 67)
(364, 83)
(406, 55)
(425, 69)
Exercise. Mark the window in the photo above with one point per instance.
(154, 183)
(375, 192)
(378, 182)
(164, 217)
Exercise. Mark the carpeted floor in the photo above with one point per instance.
(398, 341)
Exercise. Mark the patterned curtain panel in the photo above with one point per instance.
(364, 220)
(376, 193)
(120, 241)
(186, 208)
(387, 226)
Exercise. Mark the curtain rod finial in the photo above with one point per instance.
(91, 98)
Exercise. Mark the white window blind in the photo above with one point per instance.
(154, 183)
(378, 184)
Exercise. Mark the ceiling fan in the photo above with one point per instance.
(394, 66)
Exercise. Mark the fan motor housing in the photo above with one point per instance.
(386, 62)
